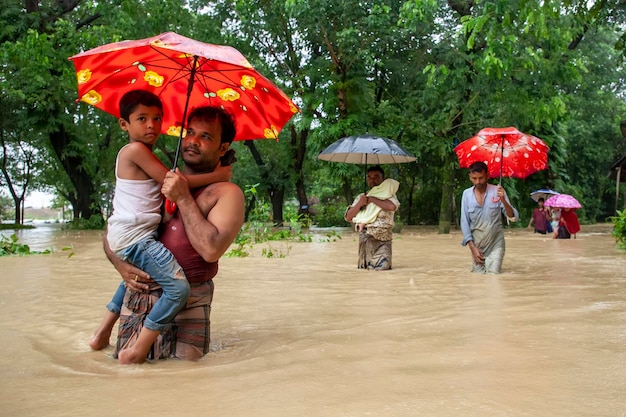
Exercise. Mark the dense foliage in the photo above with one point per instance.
(426, 73)
(619, 229)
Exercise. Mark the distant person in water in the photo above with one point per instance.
(375, 226)
(540, 218)
(568, 225)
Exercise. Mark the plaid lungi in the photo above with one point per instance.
(187, 337)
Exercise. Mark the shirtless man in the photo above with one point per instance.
(198, 234)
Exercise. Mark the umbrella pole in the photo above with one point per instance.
(192, 79)
(496, 199)
(619, 172)
(365, 176)
(501, 157)
(170, 207)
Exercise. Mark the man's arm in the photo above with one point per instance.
(139, 156)
(386, 204)
(210, 235)
(466, 228)
(354, 209)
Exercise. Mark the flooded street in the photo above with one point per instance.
(309, 335)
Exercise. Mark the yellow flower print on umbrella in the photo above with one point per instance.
(83, 76)
(228, 94)
(175, 131)
(92, 97)
(248, 82)
(153, 79)
(271, 132)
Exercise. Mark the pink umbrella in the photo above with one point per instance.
(562, 201)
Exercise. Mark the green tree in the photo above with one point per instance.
(79, 138)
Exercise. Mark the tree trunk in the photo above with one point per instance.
(83, 203)
(412, 188)
(19, 211)
(276, 193)
(300, 147)
(277, 197)
(447, 196)
(250, 207)
(347, 190)
(464, 8)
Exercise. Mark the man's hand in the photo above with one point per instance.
(501, 191)
(507, 206)
(175, 187)
(477, 254)
(352, 210)
(134, 278)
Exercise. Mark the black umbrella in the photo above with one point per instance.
(366, 149)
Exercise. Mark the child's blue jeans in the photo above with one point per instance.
(151, 256)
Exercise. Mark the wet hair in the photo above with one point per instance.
(134, 98)
(376, 168)
(212, 113)
(478, 167)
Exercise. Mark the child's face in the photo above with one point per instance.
(143, 125)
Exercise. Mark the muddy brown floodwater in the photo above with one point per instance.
(307, 334)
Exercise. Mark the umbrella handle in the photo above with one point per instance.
(496, 199)
(170, 207)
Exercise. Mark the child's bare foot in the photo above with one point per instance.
(100, 338)
(99, 341)
(128, 357)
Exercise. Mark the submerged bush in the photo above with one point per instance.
(10, 246)
(619, 229)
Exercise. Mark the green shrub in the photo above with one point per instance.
(10, 246)
(619, 229)
(95, 222)
(330, 214)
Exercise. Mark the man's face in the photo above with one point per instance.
(374, 178)
(202, 147)
(479, 179)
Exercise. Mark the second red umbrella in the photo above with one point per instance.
(506, 151)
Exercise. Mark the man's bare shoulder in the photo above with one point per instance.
(221, 189)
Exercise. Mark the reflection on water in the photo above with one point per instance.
(43, 236)
(311, 335)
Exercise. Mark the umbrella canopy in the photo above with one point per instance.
(184, 73)
(506, 151)
(563, 201)
(366, 149)
(543, 193)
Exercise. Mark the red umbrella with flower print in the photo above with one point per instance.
(506, 151)
(185, 74)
